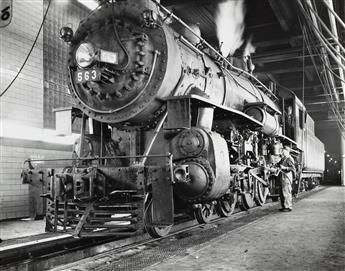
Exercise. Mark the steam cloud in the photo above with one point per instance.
(230, 25)
(250, 48)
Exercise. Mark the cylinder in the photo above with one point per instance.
(208, 176)
(197, 184)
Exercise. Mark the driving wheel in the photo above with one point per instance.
(261, 194)
(226, 205)
(204, 213)
(247, 201)
(154, 231)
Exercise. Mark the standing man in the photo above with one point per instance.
(287, 174)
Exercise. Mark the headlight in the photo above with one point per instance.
(85, 55)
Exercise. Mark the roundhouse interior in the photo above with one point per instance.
(125, 117)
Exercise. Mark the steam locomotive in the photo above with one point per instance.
(169, 127)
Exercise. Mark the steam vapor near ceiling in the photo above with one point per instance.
(250, 48)
(230, 25)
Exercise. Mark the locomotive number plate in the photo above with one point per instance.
(82, 76)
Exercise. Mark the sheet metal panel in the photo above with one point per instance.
(314, 152)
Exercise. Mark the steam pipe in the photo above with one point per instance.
(335, 32)
(154, 136)
(313, 21)
(331, 9)
(203, 41)
(333, 107)
(337, 57)
(333, 35)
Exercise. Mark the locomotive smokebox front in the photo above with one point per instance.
(118, 63)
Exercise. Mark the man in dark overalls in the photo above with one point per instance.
(286, 176)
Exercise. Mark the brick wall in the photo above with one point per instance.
(23, 102)
(21, 108)
(55, 56)
(14, 196)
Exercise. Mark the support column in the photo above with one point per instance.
(342, 140)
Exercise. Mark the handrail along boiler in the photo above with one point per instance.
(176, 128)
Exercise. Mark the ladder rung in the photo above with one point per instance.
(90, 226)
(107, 233)
(114, 219)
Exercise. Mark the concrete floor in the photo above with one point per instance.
(21, 228)
(311, 237)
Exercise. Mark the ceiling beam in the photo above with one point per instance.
(322, 106)
(284, 13)
(320, 96)
(279, 69)
(275, 42)
(277, 55)
(296, 83)
(300, 88)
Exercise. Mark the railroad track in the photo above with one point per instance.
(65, 249)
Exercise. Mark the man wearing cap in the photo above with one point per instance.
(287, 173)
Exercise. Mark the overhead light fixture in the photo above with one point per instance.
(90, 4)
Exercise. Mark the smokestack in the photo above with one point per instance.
(230, 25)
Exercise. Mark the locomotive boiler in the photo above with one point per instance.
(173, 127)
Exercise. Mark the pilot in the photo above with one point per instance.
(287, 174)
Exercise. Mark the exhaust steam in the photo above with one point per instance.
(250, 48)
(230, 25)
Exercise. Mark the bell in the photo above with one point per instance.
(66, 34)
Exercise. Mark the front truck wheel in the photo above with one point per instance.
(154, 231)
